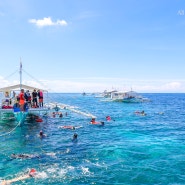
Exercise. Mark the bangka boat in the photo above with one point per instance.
(9, 109)
(128, 97)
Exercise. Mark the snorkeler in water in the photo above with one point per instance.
(142, 113)
(41, 134)
(23, 156)
(94, 122)
(70, 127)
(31, 173)
(75, 137)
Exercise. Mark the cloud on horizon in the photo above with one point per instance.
(95, 85)
(47, 21)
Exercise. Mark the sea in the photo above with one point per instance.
(130, 149)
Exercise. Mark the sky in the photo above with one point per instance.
(93, 45)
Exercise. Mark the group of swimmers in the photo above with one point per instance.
(33, 172)
(57, 114)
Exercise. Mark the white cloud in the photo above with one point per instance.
(173, 85)
(47, 21)
(100, 84)
(180, 12)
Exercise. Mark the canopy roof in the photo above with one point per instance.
(17, 87)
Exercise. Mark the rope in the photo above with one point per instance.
(11, 130)
(11, 74)
(35, 79)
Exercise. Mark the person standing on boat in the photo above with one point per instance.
(40, 95)
(34, 98)
(28, 98)
(22, 100)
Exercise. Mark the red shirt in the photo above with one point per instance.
(21, 98)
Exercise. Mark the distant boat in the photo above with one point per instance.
(128, 97)
(83, 93)
(105, 94)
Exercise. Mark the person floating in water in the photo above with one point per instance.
(69, 127)
(75, 137)
(41, 134)
(23, 156)
(108, 118)
(142, 113)
(31, 173)
(94, 122)
(57, 114)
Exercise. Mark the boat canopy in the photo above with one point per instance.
(17, 87)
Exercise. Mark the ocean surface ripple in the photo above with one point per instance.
(129, 149)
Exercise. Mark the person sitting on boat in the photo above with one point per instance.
(22, 100)
(16, 107)
(7, 94)
(34, 98)
(7, 99)
(40, 95)
(31, 173)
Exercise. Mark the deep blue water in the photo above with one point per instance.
(133, 149)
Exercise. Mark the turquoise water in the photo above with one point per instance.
(132, 149)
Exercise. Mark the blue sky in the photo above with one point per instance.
(93, 45)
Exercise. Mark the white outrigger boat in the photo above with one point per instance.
(9, 112)
(128, 97)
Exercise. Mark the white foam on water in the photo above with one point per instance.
(67, 151)
(51, 170)
(70, 168)
(62, 172)
(51, 154)
(42, 175)
(85, 171)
